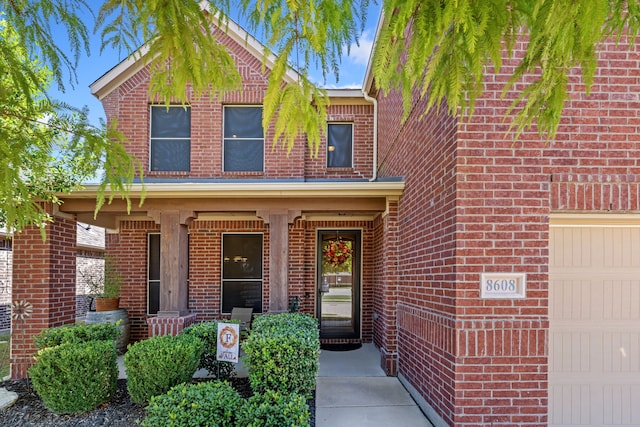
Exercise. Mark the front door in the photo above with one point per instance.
(338, 283)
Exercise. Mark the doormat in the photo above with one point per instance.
(341, 346)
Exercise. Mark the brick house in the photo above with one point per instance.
(499, 280)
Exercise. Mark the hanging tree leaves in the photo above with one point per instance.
(443, 49)
(432, 49)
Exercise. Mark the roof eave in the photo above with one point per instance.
(256, 190)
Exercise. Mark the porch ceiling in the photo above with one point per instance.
(318, 199)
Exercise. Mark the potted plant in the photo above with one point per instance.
(103, 287)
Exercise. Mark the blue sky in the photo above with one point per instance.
(90, 68)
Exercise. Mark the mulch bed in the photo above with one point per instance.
(119, 412)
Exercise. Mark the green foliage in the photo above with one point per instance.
(442, 49)
(5, 352)
(159, 363)
(184, 54)
(47, 147)
(274, 409)
(208, 334)
(76, 334)
(212, 404)
(74, 378)
(302, 34)
(281, 353)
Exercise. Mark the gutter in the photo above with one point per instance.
(374, 101)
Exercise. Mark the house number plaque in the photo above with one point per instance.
(503, 285)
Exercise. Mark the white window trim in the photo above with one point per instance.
(241, 139)
(352, 144)
(151, 107)
(222, 278)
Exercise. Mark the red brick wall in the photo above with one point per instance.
(384, 296)
(476, 201)
(423, 152)
(44, 275)
(129, 248)
(130, 104)
(362, 118)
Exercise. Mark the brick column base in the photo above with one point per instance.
(389, 363)
(20, 366)
(169, 325)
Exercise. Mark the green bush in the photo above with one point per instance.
(281, 353)
(75, 377)
(208, 333)
(212, 404)
(75, 333)
(159, 363)
(274, 409)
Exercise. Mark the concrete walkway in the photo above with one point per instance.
(353, 391)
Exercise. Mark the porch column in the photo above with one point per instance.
(43, 286)
(278, 221)
(173, 315)
(388, 298)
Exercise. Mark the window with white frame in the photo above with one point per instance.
(241, 271)
(170, 148)
(243, 139)
(340, 145)
(153, 273)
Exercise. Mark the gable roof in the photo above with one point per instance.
(113, 78)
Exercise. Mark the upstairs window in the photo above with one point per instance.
(243, 149)
(170, 138)
(340, 145)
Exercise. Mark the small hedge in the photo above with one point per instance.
(208, 333)
(274, 409)
(75, 377)
(212, 404)
(76, 333)
(157, 364)
(281, 353)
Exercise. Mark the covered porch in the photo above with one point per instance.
(191, 220)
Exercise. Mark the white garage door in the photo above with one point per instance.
(594, 309)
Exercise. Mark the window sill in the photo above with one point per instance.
(167, 173)
(232, 174)
(339, 170)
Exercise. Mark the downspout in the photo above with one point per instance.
(374, 101)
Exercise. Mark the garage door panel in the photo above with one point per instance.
(594, 310)
(585, 404)
(622, 247)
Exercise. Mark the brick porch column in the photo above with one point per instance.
(44, 275)
(173, 315)
(387, 319)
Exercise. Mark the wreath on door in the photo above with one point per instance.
(336, 252)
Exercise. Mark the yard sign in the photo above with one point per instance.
(228, 342)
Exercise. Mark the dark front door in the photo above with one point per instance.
(338, 283)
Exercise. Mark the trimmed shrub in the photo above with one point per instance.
(212, 404)
(208, 333)
(76, 333)
(281, 353)
(159, 363)
(75, 377)
(274, 409)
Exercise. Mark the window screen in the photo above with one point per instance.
(170, 138)
(243, 139)
(153, 274)
(241, 271)
(340, 145)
